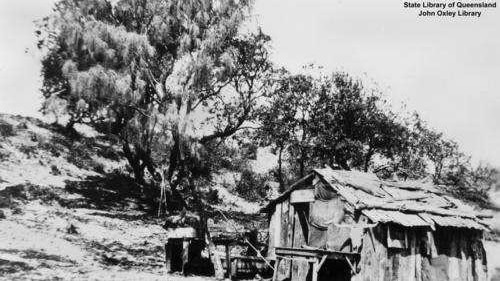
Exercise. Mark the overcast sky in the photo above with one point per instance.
(446, 69)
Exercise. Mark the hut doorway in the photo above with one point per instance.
(176, 255)
(335, 270)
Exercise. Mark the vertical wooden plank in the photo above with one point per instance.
(185, 255)
(234, 267)
(465, 257)
(480, 271)
(431, 244)
(290, 233)
(300, 268)
(284, 224)
(315, 269)
(276, 267)
(453, 265)
(373, 263)
(228, 261)
(284, 264)
(382, 254)
(291, 221)
(298, 241)
(271, 234)
(274, 231)
(406, 257)
(413, 254)
(168, 256)
(418, 257)
(214, 257)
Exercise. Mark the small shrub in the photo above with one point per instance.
(16, 210)
(110, 153)
(79, 156)
(98, 167)
(252, 186)
(34, 137)
(6, 129)
(28, 150)
(22, 126)
(53, 149)
(212, 197)
(4, 155)
(46, 194)
(5, 202)
(28, 191)
(71, 229)
(14, 191)
(54, 170)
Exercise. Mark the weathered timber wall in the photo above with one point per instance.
(300, 269)
(459, 257)
(274, 231)
(286, 238)
(421, 255)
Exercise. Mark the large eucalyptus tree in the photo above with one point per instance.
(167, 78)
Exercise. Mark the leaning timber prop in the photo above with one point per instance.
(248, 242)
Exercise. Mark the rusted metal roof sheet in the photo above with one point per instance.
(399, 202)
(367, 182)
(383, 216)
(455, 222)
(413, 185)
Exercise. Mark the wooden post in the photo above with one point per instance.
(276, 266)
(315, 270)
(168, 256)
(234, 267)
(185, 254)
(228, 260)
(214, 257)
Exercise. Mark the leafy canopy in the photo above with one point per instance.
(165, 77)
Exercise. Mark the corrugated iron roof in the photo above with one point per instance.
(367, 182)
(413, 185)
(409, 220)
(399, 202)
(455, 222)
(409, 203)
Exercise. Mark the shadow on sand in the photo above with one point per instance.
(112, 192)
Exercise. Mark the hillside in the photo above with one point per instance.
(69, 210)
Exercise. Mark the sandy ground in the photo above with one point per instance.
(37, 245)
(73, 214)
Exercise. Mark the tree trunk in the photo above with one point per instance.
(214, 257)
(302, 167)
(280, 170)
(134, 162)
(342, 162)
(368, 157)
(438, 167)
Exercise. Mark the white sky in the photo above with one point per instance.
(446, 69)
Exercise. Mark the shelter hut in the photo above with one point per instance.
(187, 242)
(349, 225)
